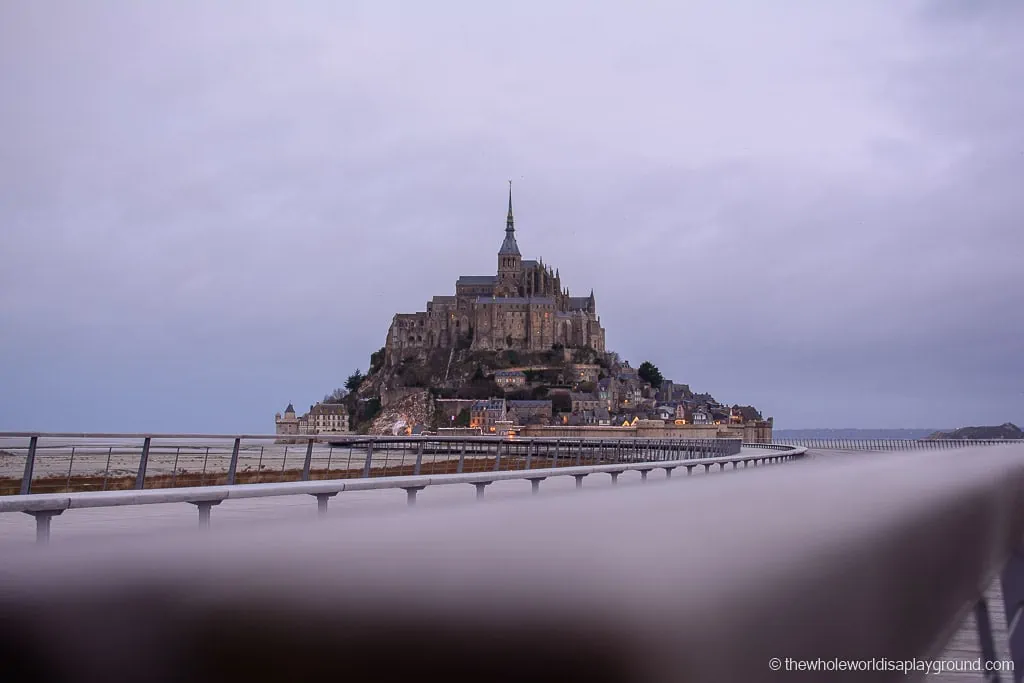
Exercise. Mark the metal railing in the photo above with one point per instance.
(67, 462)
(737, 578)
(892, 444)
(45, 506)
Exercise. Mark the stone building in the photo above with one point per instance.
(530, 412)
(510, 379)
(582, 401)
(584, 372)
(524, 306)
(322, 418)
(289, 423)
(486, 415)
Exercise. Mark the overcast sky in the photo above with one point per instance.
(208, 210)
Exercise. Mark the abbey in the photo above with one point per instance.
(522, 307)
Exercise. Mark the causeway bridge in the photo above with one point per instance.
(821, 561)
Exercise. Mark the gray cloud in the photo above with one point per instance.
(210, 210)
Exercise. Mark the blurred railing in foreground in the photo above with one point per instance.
(45, 506)
(871, 563)
(892, 444)
(52, 463)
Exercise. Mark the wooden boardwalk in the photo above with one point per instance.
(965, 644)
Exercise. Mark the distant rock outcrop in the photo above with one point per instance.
(1003, 431)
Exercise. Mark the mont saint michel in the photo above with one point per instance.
(515, 352)
(522, 307)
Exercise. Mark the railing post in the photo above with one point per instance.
(43, 518)
(140, 478)
(988, 649)
(307, 463)
(233, 467)
(497, 456)
(204, 511)
(529, 453)
(1012, 580)
(30, 464)
(462, 459)
(419, 462)
(369, 459)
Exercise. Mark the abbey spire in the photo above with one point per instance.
(510, 222)
(509, 246)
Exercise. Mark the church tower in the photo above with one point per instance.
(510, 261)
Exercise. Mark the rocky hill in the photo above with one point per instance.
(403, 414)
(465, 373)
(1003, 431)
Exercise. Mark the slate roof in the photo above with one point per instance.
(579, 303)
(476, 280)
(329, 408)
(509, 246)
(490, 404)
(515, 300)
(530, 404)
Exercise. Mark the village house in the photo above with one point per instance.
(631, 396)
(510, 379)
(530, 412)
(581, 402)
(487, 414)
(608, 393)
(584, 372)
(700, 416)
(322, 418)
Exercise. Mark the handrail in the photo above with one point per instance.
(45, 506)
(139, 458)
(870, 560)
(894, 444)
(324, 437)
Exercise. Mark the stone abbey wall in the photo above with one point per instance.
(522, 307)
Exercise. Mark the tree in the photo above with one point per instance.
(336, 396)
(462, 419)
(650, 373)
(354, 380)
(480, 390)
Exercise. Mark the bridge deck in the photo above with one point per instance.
(18, 530)
(964, 645)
